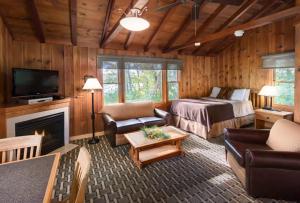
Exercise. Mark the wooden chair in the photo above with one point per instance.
(81, 173)
(19, 148)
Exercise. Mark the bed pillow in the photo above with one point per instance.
(225, 93)
(238, 95)
(247, 95)
(215, 92)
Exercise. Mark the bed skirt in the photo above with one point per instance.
(217, 128)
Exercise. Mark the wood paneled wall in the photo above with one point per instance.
(240, 64)
(5, 53)
(73, 63)
(197, 76)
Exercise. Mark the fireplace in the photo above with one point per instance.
(51, 126)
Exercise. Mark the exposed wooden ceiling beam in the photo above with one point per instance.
(243, 9)
(245, 26)
(185, 24)
(284, 5)
(129, 40)
(110, 6)
(266, 7)
(208, 21)
(230, 39)
(36, 21)
(117, 28)
(156, 31)
(179, 32)
(6, 25)
(73, 21)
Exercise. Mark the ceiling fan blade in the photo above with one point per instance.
(169, 6)
(228, 2)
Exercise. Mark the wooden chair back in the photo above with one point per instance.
(81, 173)
(19, 148)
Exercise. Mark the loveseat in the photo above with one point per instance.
(128, 117)
(267, 162)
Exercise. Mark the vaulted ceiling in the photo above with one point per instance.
(95, 23)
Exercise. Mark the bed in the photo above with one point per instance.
(208, 116)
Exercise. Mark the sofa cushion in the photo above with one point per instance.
(124, 111)
(285, 136)
(129, 125)
(151, 121)
(238, 149)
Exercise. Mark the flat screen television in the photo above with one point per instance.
(34, 82)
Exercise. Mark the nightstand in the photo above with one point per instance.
(266, 118)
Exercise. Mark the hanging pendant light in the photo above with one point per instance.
(196, 43)
(134, 22)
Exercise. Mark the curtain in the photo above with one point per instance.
(144, 63)
(283, 60)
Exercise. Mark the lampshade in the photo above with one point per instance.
(134, 23)
(92, 84)
(269, 91)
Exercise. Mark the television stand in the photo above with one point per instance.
(35, 100)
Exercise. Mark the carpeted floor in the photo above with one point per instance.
(202, 175)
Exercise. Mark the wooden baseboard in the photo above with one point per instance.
(88, 135)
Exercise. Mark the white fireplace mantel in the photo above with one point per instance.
(11, 114)
(11, 122)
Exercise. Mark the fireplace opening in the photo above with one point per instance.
(51, 127)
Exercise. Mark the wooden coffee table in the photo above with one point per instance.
(145, 151)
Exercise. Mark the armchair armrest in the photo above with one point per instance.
(273, 159)
(110, 128)
(108, 120)
(273, 174)
(163, 114)
(247, 135)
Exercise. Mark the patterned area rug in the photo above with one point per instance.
(202, 175)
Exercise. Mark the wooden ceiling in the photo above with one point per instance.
(95, 23)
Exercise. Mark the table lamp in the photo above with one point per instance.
(268, 91)
(92, 84)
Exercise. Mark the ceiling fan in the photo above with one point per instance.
(196, 5)
(195, 9)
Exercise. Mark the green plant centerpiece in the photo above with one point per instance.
(154, 132)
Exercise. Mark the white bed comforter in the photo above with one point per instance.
(240, 108)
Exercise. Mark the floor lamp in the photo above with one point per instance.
(92, 84)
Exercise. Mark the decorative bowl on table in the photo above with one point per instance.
(154, 132)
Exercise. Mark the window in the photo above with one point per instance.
(133, 79)
(110, 82)
(285, 83)
(173, 86)
(143, 82)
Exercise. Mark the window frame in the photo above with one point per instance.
(121, 77)
(174, 82)
(283, 107)
(117, 83)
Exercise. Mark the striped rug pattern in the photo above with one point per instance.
(202, 175)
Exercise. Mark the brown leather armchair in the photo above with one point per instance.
(124, 118)
(264, 171)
